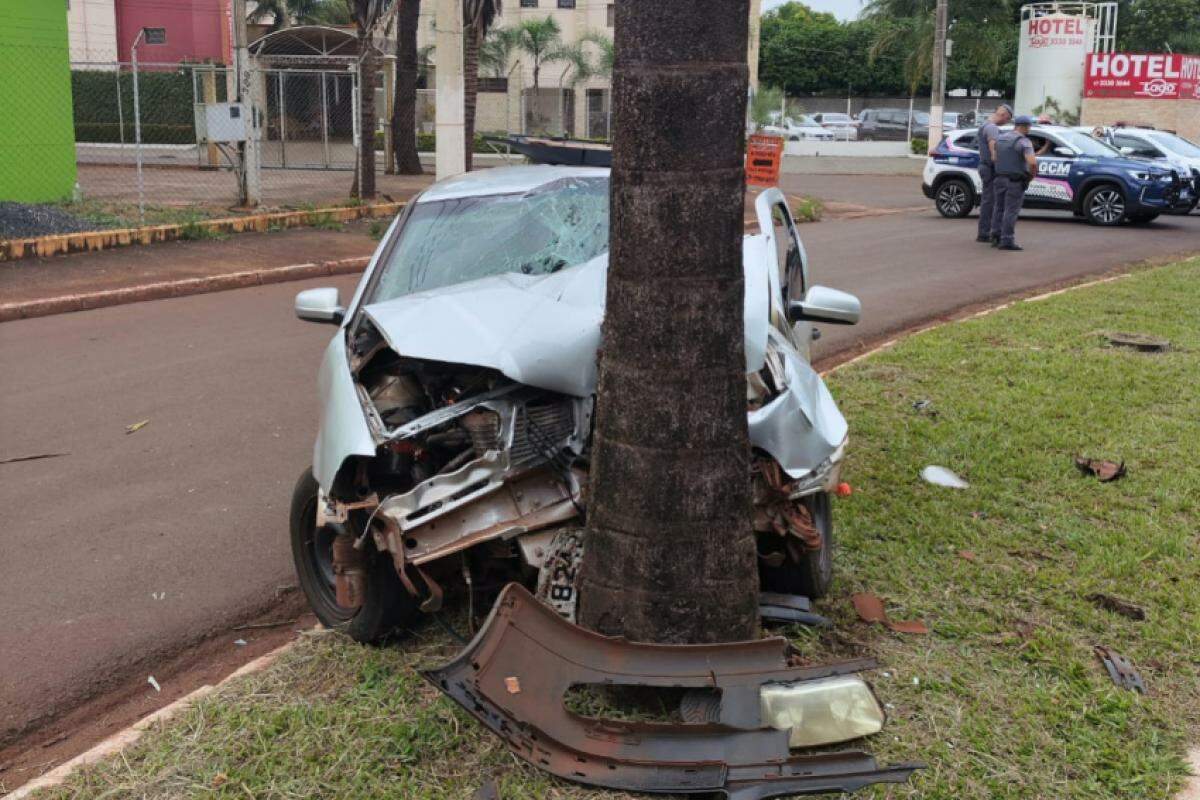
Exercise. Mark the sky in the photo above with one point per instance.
(842, 9)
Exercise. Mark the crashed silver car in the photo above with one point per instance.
(457, 397)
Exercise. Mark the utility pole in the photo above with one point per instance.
(451, 91)
(249, 189)
(938, 99)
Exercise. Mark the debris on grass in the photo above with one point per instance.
(1106, 471)
(137, 426)
(487, 791)
(966, 555)
(239, 642)
(940, 476)
(154, 683)
(1117, 605)
(1139, 341)
(844, 489)
(1120, 669)
(870, 609)
(924, 406)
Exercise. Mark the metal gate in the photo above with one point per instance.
(309, 118)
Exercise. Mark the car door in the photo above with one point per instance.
(788, 279)
(1052, 187)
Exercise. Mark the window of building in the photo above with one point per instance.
(612, 15)
(156, 35)
(529, 3)
(566, 3)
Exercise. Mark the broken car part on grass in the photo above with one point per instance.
(1120, 669)
(516, 673)
(457, 396)
(1106, 471)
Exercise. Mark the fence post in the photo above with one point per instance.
(325, 117)
(137, 134)
(282, 124)
(210, 97)
(389, 98)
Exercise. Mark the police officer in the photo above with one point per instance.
(1016, 165)
(988, 134)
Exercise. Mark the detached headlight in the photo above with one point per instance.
(823, 711)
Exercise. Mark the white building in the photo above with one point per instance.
(582, 110)
(92, 31)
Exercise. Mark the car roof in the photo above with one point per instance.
(504, 180)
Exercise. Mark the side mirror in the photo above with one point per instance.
(320, 305)
(1065, 152)
(822, 304)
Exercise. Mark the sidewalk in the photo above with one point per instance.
(128, 267)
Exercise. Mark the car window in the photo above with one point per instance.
(1086, 144)
(788, 252)
(921, 117)
(442, 243)
(967, 141)
(1176, 144)
(1139, 147)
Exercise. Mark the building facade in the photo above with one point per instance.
(92, 31)
(184, 30)
(561, 105)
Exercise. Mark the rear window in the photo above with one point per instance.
(966, 142)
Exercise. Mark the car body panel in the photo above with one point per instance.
(343, 431)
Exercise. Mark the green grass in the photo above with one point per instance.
(125, 215)
(1003, 700)
(808, 209)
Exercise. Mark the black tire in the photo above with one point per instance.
(812, 574)
(1104, 205)
(954, 198)
(387, 607)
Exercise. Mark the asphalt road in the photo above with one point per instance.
(131, 545)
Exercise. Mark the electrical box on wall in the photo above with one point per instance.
(221, 122)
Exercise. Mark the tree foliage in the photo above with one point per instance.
(1159, 26)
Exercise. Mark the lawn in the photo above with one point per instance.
(1004, 698)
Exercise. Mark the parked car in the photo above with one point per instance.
(843, 125)
(950, 120)
(456, 399)
(892, 124)
(1162, 147)
(1076, 173)
(797, 129)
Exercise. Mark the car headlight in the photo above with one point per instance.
(823, 711)
(1139, 175)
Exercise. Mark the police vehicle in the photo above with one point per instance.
(1162, 147)
(1075, 173)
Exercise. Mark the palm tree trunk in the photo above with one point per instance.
(471, 41)
(404, 117)
(670, 554)
(366, 128)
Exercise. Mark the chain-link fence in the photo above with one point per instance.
(144, 142)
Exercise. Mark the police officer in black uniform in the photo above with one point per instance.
(1016, 166)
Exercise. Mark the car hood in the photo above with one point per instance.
(538, 330)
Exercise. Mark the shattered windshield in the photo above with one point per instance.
(446, 242)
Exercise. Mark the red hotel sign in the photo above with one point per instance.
(1169, 76)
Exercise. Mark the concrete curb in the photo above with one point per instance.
(180, 288)
(127, 737)
(44, 246)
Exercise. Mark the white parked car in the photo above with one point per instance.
(843, 126)
(796, 130)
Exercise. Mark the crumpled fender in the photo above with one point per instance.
(800, 427)
(343, 431)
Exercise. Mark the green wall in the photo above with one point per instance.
(37, 134)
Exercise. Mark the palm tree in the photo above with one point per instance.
(670, 554)
(603, 66)
(908, 27)
(496, 51)
(367, 14)
(284, 13)
(404, 105)
(539, 39)
(478, 16)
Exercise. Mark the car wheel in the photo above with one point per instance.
(1104, 205)
(953, 198)
(387, 606)
(810, 572)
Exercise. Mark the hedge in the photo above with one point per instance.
(164, 100)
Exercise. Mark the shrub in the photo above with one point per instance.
(919, 147)
(102, 105)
